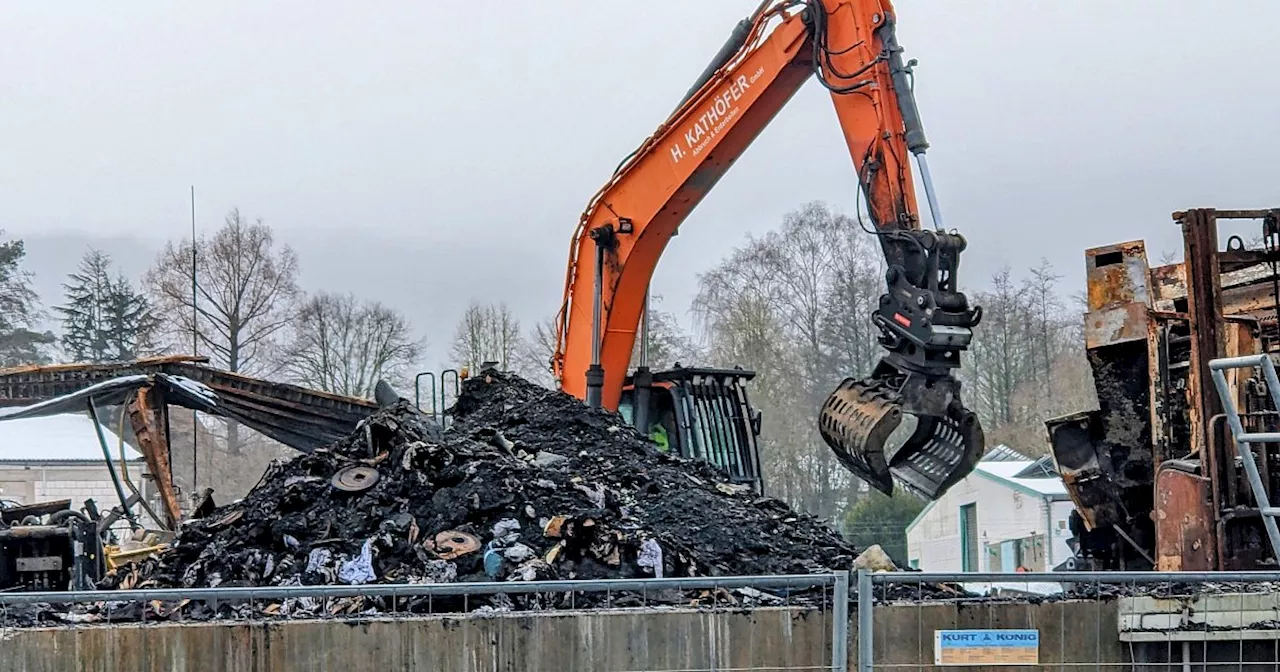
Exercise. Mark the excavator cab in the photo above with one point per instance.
(701, 414)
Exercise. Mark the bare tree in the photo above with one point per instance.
(246, 291)
(1046, 316)
(533, 358)
(852, 340)
(1001, 353)
(669, 343)
(345, 346)
(486, 333)
(795, 306)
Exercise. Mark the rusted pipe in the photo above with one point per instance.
(34, 532)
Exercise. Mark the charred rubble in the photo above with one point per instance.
(527, 484)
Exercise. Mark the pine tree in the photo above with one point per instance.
(104, 320)
(83, 325)
(131, 322)
(19, 311)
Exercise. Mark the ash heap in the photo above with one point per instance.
(527, 484)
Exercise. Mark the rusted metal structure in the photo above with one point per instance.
(1153, 472)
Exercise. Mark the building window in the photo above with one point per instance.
(969, 538)
(915, 563)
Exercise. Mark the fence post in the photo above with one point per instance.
(840, 624)
(865, 622)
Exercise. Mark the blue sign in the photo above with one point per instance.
(986, 647)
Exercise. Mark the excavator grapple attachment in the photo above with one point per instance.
(859, 418)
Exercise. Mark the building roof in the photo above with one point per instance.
(1009, 468)
(66, 437)
(1044, 467)
(1008, 472)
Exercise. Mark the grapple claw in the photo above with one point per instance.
(941, 451)
(856, 421)
(858, 418)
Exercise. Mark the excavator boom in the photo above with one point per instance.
(850, 47)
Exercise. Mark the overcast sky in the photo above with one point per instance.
(402, 147)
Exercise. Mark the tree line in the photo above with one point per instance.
(232, 295)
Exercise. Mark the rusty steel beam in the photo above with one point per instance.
(1204, 304)
(38, 383)
(154, 446)
(1181, 215)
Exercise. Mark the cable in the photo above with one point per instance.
(822, 54)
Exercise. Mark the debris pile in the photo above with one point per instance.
(527, 484)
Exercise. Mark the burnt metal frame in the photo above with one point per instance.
(1145, 309)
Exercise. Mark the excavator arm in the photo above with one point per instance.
(851, 48)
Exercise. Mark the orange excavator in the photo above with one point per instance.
(850, 47)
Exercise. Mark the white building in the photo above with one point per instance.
(1011, 512)
(60, 457)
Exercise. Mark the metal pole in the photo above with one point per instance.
(106, 454)
(840, 623)
(866, 622)
(643, 379)
(927, 180)
(1132, 577)
(195, 350)
(417, 392)
(595, 373)
(644, 330)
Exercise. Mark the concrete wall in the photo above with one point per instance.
(37, 482)
(1004, 513)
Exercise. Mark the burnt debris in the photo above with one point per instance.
(527, 484)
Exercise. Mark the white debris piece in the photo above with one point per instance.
(359, 569)
(546, 458)
(651, 557)
(518, 553)
(596, 494)
(318, 559)
(507, 530)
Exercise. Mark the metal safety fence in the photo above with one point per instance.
(1068, 621)
(904, 621)
(798, 622)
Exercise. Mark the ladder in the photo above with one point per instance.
(1243, 439)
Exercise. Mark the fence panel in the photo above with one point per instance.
(1144, 621)
(773, 623)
